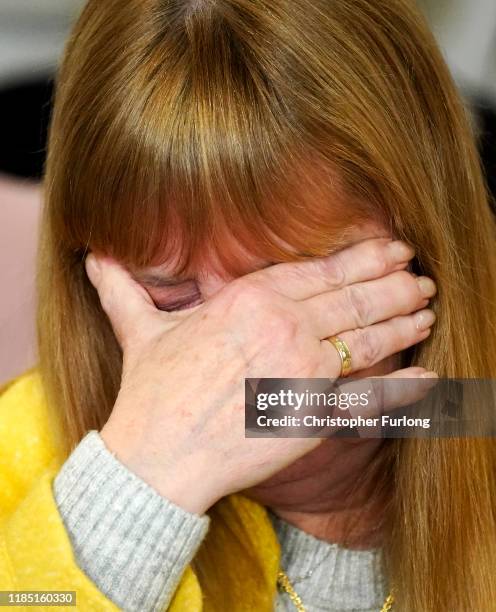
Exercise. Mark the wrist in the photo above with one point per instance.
(181, 481)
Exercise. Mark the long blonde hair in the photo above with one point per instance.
(177, 121)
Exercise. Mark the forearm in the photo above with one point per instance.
(132, 542)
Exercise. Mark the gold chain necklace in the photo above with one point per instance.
(285, 584)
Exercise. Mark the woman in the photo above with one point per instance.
(261, 171)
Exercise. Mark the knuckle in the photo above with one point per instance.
(279, 323)
(358, 304)
(244, 294)
(377, 253)
(334, 270)
(252, 300)
(401, 289)
(289, 326)
(409, 288)
(302, 271)
(377, 401)
(329, 268)
(368, 347)
(406, 280)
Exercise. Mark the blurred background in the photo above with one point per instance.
(32, 36)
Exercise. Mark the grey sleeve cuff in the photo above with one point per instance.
(132, 542)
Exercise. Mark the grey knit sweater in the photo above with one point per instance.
(135, 544)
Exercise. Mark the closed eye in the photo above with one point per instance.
(179, 306)
(178, 297)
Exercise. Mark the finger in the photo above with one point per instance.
(363, 261)
(125, 301)
(383, 394)
(364, 304)
(372, 344)
(395, 390)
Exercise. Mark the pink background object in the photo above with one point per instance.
(20, 203)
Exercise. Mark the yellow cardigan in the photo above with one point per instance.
(235, 568)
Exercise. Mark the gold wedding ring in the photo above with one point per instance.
(343, 352)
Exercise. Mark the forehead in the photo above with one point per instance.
(310, 220)
(165, 275)
(206, 263)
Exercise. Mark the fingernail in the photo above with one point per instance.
(401, 250)
(430, 374)
(426, 285)
(92, 268)
(424, 319)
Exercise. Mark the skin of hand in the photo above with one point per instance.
(178, 421)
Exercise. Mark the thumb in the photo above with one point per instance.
(126, 303)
